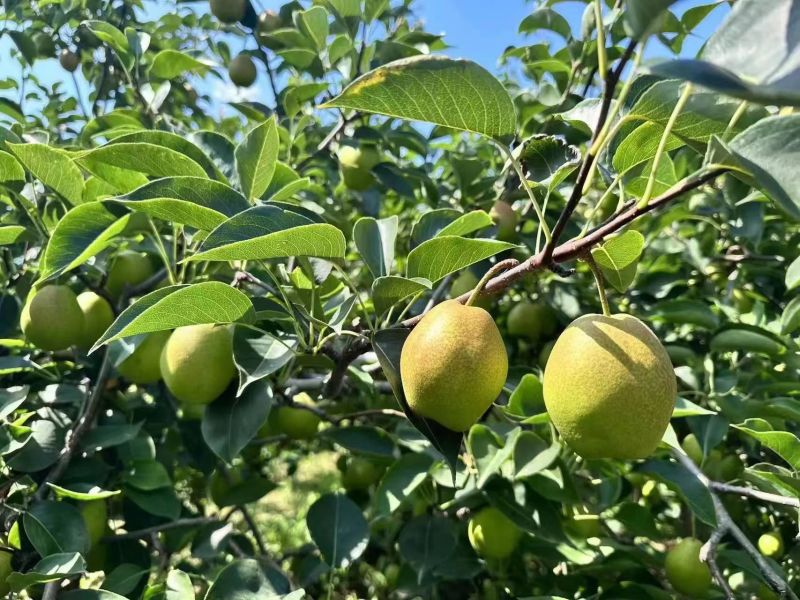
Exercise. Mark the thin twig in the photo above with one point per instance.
(262, 547)
(142, 533)
(755, 494)
(708, 554)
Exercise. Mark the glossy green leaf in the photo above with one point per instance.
(54, 567)
(10, 169)
(427, 541)
(783, 443)
(338, 528)
(9, 234)
(793, 274)
(179, 586)
(231, 421)
(790, 319)
(375, 241)
(114, 38)
(617, 258)
(388, 291)
(742, 338)
(548, 19)
(256, 157)
(259, 354)
(243, 579)
(52, 167)
(468, 223)
(150, 159)
(547, 159)
(435, 259)
(179, 305)
(314, 24)
(688, 486)
(436, 89)
(169, 64)
(56, 527)
(643, 17)
(363, 440)
(400, 481)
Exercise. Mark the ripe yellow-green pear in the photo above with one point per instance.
(242, 71)
(356, 165)
(453, 365)
(52, 318)
(197, 362)
(128, 269)
(492, 534)
(297, 423)
(505, 218)
(5, 571)
(97, 317)
(95, 517)
(771, 544)
(531, 320)
(69, 60)
(360, 473)
(609, 387)
(143, 366)
(466, 282)
(685, 571)
(228, 11)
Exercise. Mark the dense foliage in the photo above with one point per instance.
(223, 375)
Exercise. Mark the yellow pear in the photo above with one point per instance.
(609, 387)
(197, 362)
(52, 318)
(128, 269)
(771, 544)
(685, 571)
(453, 365)
(492, 534)
(143, 366)
(97, 316)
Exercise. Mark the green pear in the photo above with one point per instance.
(492, 534)
(52, 318)
(505, 218)
(360, 473)
(685, 571)
(531, 320)
(5, 571)
(356, 165)
(128, 269)
(453, 365)
(95, 517)
(197, 362)
(97, 316)
(69, 60)
(297, 423)
(609, 387)
(771, 544)
(143, 366)
(242, 71)
(228, 11)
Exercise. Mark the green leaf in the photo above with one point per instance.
(85, 493)
(195, 201)
(454, 93)
(692, 312)
(9, 234)
(182, 145)
(146, 475)
(388, 291)
(124, 578)
(783, 443)
(259, 354)
(51, 568)
(150, 159)
(271, 231)
(643, 17)
(435, 259)
(400, 481)
(793, 274)
(375, 242)
(489, 450)
(82, 233)
(114, 38)
(533, 455)
(790, 319)
(769, 151)
(10, 169)
(736, 62)
(363, 440)
(686, 408)
(56, 527)
(256, 157)
(744, 338)
(52, 167)
(179, 586)
(108, 436)
(547, 159)
(338, 528)
(243, 579)
(427, 541)
(469, 223)
(161, 502)
(618, 258)
(179, 305)
(695, 494)
(314, 24)
(231, 421)
(169, 64)
(546, 18)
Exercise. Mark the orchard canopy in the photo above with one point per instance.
(305, 301)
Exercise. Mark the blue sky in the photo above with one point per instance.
(471, 30)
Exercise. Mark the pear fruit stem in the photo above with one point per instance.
(598, 278)
(503, 265)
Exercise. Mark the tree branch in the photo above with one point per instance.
(755, 494)
(140, 533)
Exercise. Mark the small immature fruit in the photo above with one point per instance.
(128, 269)
(69, 60)
(685, 571)
(242, 71)
(197, 362)
(297, 423)
(97, 316)
(360, 474)
(505, 218)
(356, 165)
(532, 321)
(144, 365)
(609, 387)
(52, 318)
(228, 11)
(453, 365)
(95, 517)
(693, 449)
(269, 21)
(771, 544)
(492, 534)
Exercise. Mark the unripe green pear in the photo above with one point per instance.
(771, 544)
(532, 321)
(228, 11)
(505, 218)
(492, 534)
(97, 317)
(685, 571)
(585, 526)
(128, 269)
(95, 517)
(466, 282)
(356, 166)
(5, 571)
(269, 21)
(360, 474)
(52, 318)
(453, 365)
(242, 71)
(609, 387)
(69, 60)
(297, 423)
(143, 366)
(544, 354)
(197, 362)
(693, 449)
